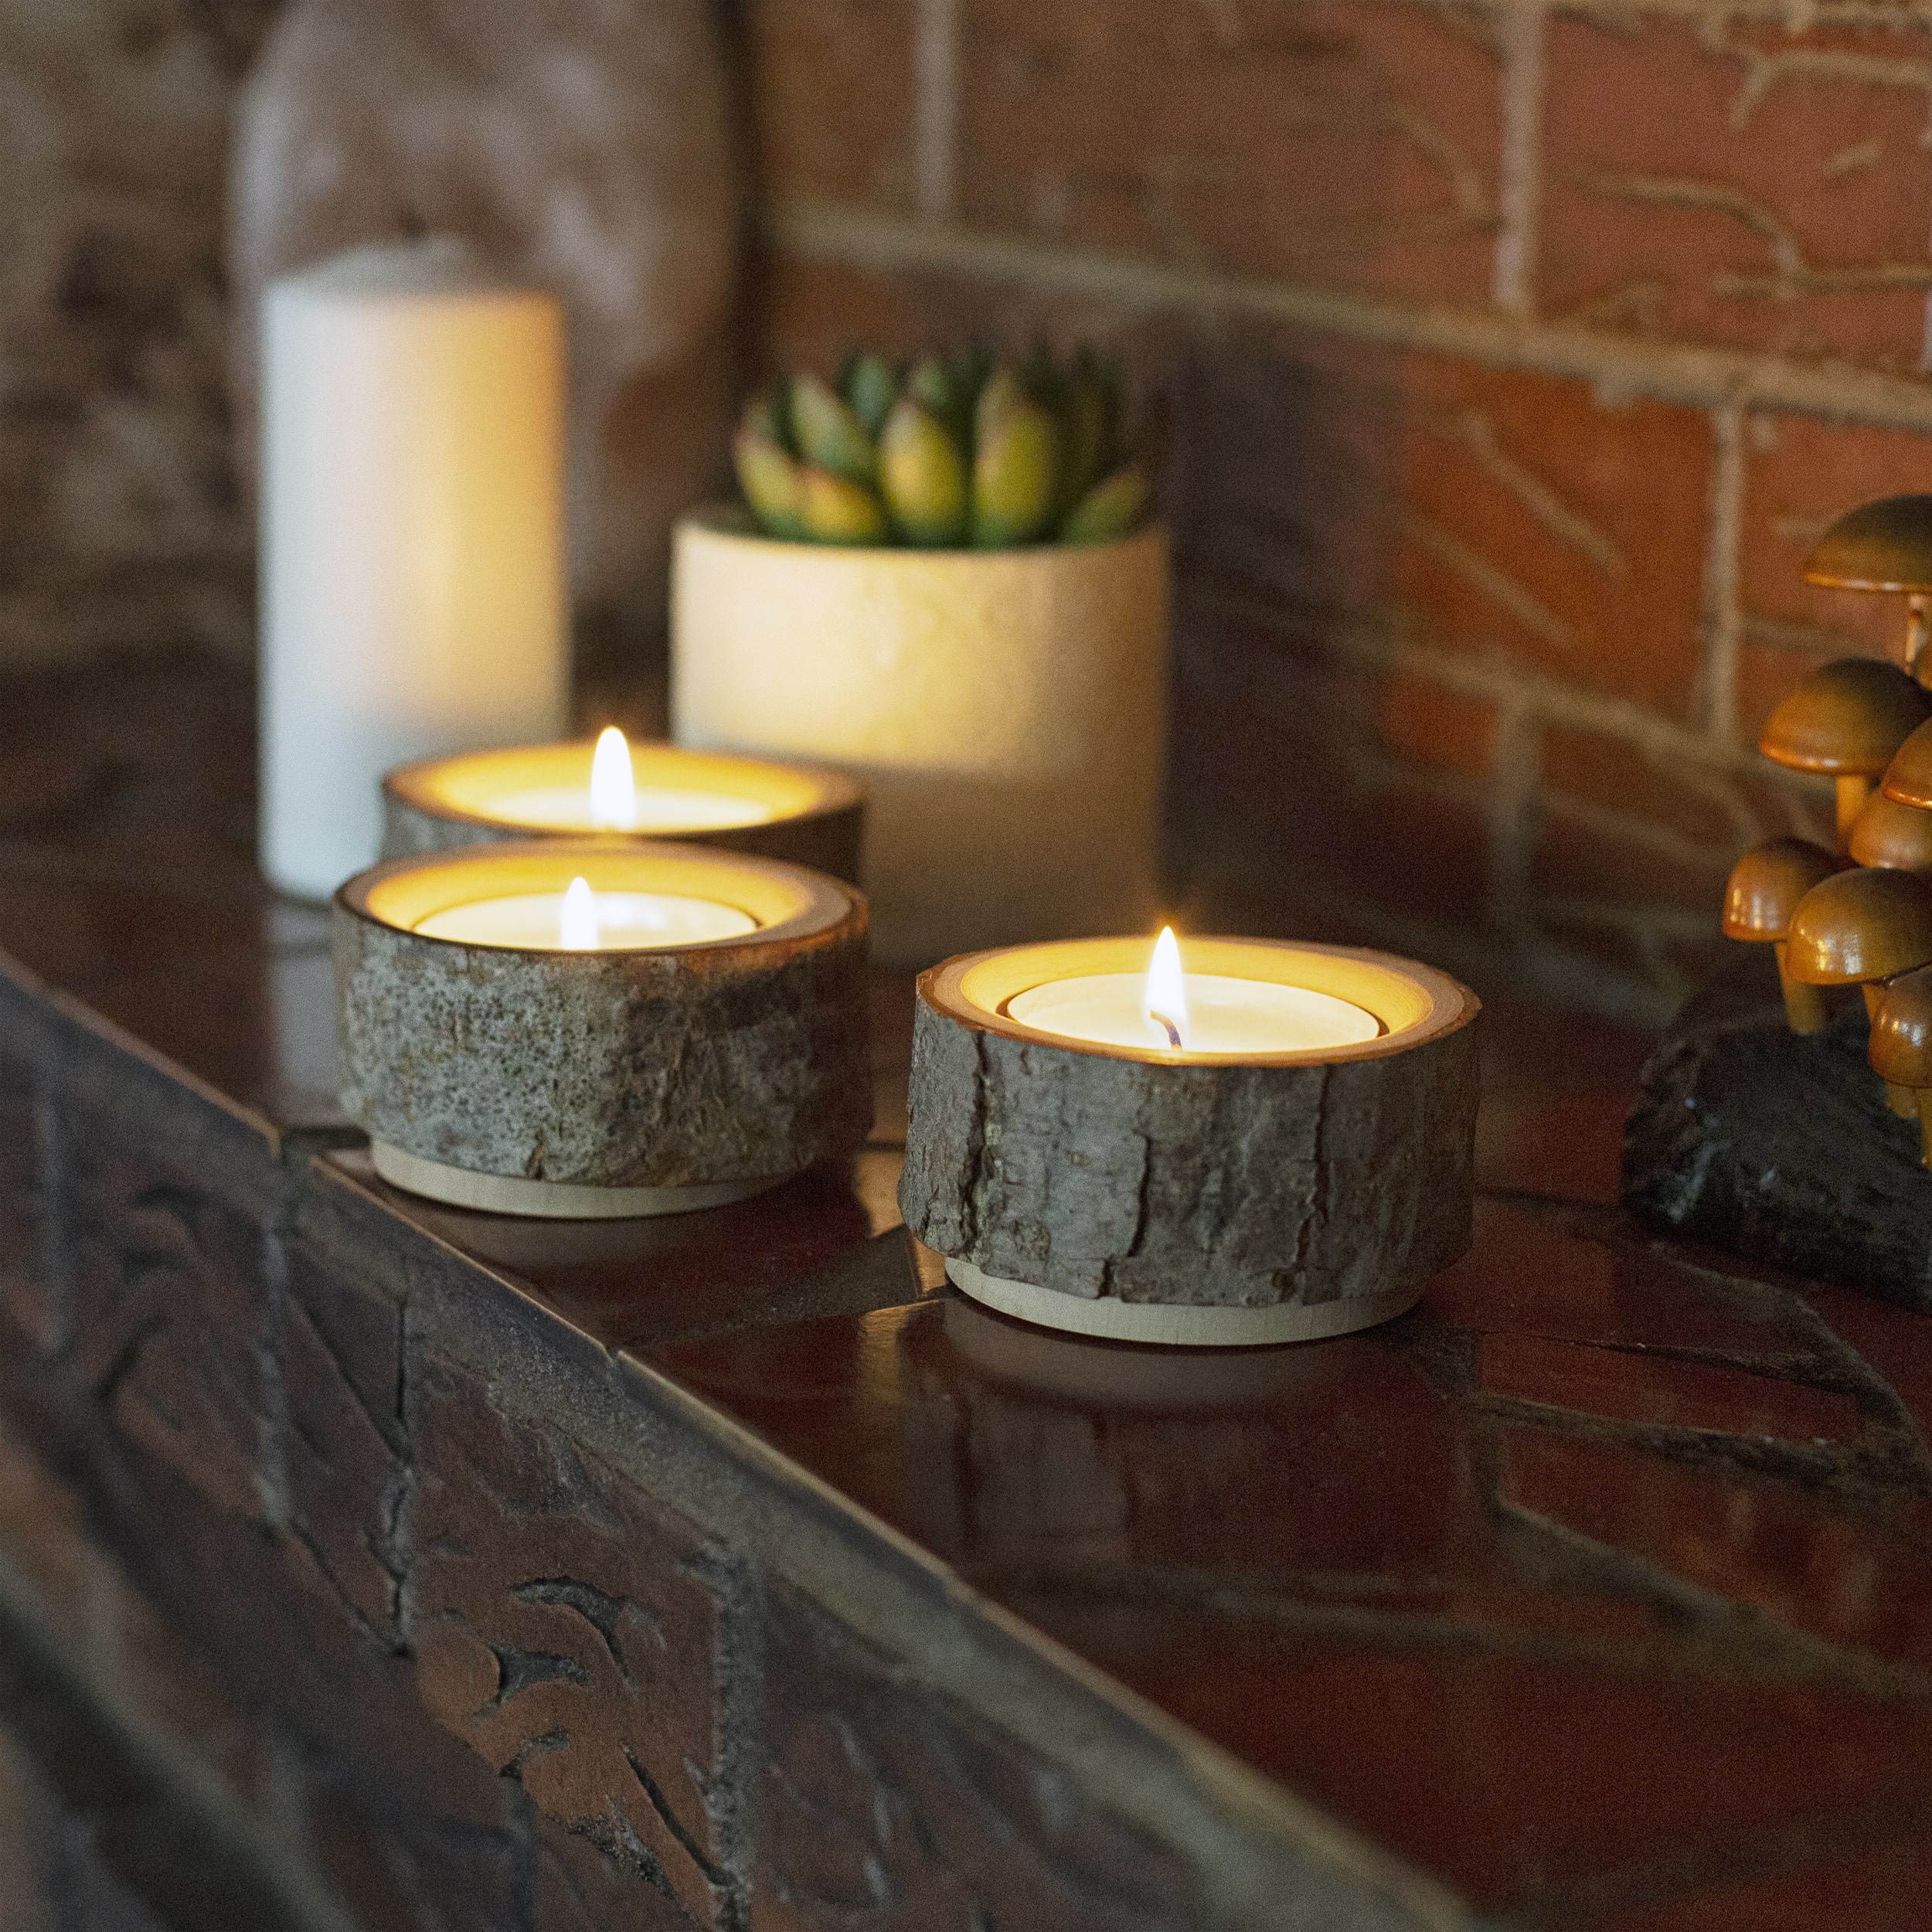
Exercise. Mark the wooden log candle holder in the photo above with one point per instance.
(591, 1030)
(1150, 1194)
(803, 814)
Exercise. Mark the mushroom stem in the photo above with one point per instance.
(1915, 632)
(1925, 1124)
(1804, 1005)
(1901, 1100)
(1854, 787)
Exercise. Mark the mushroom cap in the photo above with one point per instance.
(1884, 545)
(1901, 1048)
(1849, 718)
(1888, 833)
(1867, 923)
(1908, 778)
(1767, 883)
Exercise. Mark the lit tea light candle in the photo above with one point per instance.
(1206, 1015)
(579, 920)
(1271, 1143)
(621, 1027)
(617, 789)
(612, 801)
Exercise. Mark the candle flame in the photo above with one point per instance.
(613, 791)
(579, 921)
(1166, 990)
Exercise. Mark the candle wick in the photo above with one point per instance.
(1173, 1031)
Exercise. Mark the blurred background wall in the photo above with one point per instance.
(120, 526)
(1515, 352)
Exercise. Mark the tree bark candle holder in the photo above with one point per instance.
(590, 1030)
(1148, 1194)
(803, 814)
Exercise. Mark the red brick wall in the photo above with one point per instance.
(1517, 353)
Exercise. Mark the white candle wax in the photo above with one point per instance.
(660, 808)
(413, 586)
(610, 922)
(1226, 1016)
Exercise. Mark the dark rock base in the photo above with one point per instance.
(1781, 1149)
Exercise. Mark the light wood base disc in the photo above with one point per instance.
(551, 1200)
(1173, 1324)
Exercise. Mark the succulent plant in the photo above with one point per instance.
(948, 454)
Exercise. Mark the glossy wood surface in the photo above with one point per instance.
(1599, 1586)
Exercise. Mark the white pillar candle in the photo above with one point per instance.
(413, 589)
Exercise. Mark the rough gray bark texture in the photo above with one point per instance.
(830, 842)
(1225, 1185)
(612, 1070)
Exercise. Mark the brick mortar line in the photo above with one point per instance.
(1795, 16)
(1526, 955)
(935, 104)
(1917, 15)
(1620, 369)
(1547, 700)
(1519, 170)
(1660, 841)
(1685, 923)
(1721, 623)
(1514, 790)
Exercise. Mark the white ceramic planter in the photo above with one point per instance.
(1005, 710)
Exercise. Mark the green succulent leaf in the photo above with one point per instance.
(1001, 393)
(970, 369)
(1110, 509)
(828, 433)
(954, 450)
(870, 386)
(837, 510)
(935, 387)
(771, 483)
(764, 416)
(923, 477)
(1016, 465)
(1042, 377)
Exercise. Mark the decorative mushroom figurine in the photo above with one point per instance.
(1884, 545)
(1901, 1049)
(1765, 887)
(1887, 833)
(1847, 720)
(1862, 928)
(1908, 778)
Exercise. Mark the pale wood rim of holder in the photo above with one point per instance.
(552, 1200)
(1180, 1324)
(446, 788)
(788, 902)
(1415, 1003)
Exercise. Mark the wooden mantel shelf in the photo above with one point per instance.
(730, 1571)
